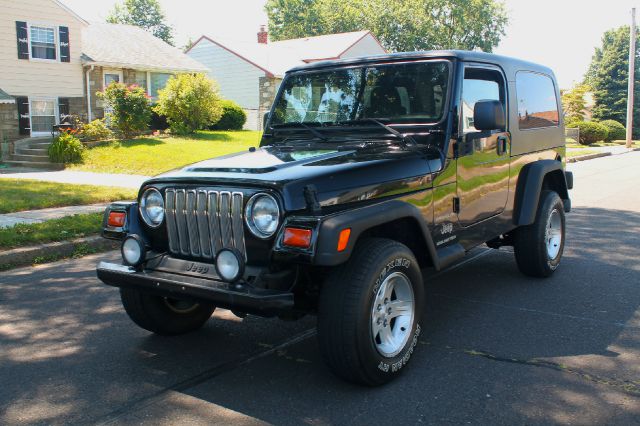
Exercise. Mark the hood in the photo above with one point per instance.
(339, 175)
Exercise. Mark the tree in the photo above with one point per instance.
(574, 103)
(146, 14)
(190, 102)
(400, 25)
(608, 74)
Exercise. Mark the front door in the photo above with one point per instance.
(44, 116)
(483, 156)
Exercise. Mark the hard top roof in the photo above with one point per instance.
(509, 64)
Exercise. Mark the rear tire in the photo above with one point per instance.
(369, 313)
(164, 316)
(538, 247)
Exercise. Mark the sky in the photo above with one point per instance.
(561, 34)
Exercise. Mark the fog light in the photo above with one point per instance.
(229, 265)
(133, 250)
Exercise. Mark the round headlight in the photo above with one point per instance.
(133, 250)
(229, 265)
(262, 215)
(152, 207)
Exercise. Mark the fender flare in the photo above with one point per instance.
(361, 219)
(529, 188)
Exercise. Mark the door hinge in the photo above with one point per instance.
(456, 205)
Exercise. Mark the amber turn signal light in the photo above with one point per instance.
(116, 219)
(343, 239)
(297, 237)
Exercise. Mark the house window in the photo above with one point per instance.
(140, 79)
(43, 115)
(43, 43)
(158, 81)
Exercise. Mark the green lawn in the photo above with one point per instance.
(573, 144)
(153, 155)
(24, 194)
(579, 152)
(63, 229)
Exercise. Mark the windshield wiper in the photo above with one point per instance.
(403, 138)
(295, 124)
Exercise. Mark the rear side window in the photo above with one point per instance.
(537, 103)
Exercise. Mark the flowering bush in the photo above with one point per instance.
(130, 107)
(189, 102)
(66, 148)
(95, 131)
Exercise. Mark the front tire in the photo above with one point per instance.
(538, 247)
(162, 315)
(369, 313)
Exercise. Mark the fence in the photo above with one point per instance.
(571, 135)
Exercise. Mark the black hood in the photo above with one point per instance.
(339, 174)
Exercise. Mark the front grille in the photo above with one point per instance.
(200, 222)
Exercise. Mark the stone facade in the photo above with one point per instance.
(9, 130)
(96, 83)
(267, 88)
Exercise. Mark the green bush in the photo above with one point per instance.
(66, 149)
(590, 132)
(95, 131)
(130, 105)
(615, 130)
(190, 102)
(233, 117)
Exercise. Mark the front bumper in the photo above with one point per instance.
(240, 297)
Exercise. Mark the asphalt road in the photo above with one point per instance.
(497, 347)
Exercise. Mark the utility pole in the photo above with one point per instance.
(632, 68)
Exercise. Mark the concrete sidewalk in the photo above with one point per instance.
(81, 178)
(38, 216)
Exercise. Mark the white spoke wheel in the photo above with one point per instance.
(369, 312)
(392, 314)
(538, 247)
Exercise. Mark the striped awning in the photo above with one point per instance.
(5, 98)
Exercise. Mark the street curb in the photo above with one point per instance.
(588, 157)
(24, 256)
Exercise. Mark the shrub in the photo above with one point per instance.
(590, 132)
(190, 102)
(158, 122)
(233, 117)
(66, 149)
(131, 109)
(615, 130)
(96, 130)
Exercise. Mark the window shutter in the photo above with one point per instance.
(24, 119)
(65, 51)
(22, 35)
(63, 110)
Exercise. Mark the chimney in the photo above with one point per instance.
(263, 35)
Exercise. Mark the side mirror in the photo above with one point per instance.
(265, 118)
(489, 115)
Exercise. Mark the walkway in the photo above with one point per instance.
(82, 178)
(38, 216)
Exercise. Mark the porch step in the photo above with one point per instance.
(39, 145)
(32, 151)
(34, 165)
(30, 158)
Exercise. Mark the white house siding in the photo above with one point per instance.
(365, 47)
(20, 77)
(237, 78)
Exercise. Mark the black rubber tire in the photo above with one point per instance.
(344, 312)
(152, 313)
(529, 241)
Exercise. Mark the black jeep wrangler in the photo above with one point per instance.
(369, 170)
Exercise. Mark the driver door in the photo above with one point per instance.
(483, 156)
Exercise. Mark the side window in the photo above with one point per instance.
(479, 84)
(537, 103)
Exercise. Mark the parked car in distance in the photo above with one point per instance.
(369, 170)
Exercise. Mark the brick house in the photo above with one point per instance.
(250, 73)
(52, 62)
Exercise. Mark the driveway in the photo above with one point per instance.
(497, 347)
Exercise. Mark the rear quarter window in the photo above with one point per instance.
(537, 103)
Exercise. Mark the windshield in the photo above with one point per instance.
(410, 92)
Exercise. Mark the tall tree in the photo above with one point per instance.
(574, 103)
(400, 25)
(608, 74)
(146, 14)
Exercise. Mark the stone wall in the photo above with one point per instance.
(9, 130)
(96, 85)
(267, 88)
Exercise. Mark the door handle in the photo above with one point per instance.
(502, 145)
